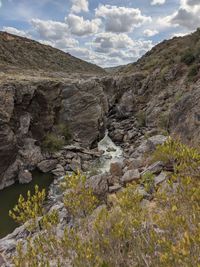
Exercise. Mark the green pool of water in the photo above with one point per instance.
(9, 197)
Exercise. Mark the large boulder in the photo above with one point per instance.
(149, 145)
(130, 176)
(24, 177)
(99, 184)
(47, 165)
(116, 168)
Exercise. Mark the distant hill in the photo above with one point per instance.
(19, 53)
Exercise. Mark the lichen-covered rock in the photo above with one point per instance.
(130, 176)
(99, 184)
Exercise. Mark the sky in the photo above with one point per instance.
(105, 32)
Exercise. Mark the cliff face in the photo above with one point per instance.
(30, 109)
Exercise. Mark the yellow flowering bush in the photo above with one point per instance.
(78, 198)
(29, 209)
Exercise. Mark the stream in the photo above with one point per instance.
(9, 196)
(111, 153)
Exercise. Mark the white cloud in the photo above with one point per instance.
(179, 34)
(15, 31)
(78, 26)
(105, 42)
(63, 44)
(193, 2)
(158, 2)
(150, 33)
(0, 4)
(49, 29)
(54, 33)
(186, 17)
(120, 19)
(79, 6)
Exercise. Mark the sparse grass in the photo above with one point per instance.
(141, 118)
(193, 71)
(188, 57)
(163, 121)
(52, 142)
(148, 181)
(64, 130)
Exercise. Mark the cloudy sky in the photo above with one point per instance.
(104, 32)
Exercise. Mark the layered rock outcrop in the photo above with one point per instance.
(28, 110)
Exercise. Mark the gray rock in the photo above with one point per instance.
(47, 165)
(59, 171)
(130, 176)
(149, 145)
(134, 163)
(115, 188)
(118, 135)
(155, 168)
(160, 178)
(75, 165)
(116, 169)
(30, 154)
(99, 184)
(24, 177)
(154, 141)
(25, 120)
(11, 174)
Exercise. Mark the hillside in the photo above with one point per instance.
(181, 51)
(18, 53)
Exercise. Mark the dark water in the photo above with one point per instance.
(9, 197)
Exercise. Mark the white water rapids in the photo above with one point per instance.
(112, 153)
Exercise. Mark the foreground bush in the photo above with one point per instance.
(162, 233)
(29, 208)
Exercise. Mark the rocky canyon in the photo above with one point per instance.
(138, 105)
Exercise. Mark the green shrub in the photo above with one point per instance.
(188, 58)
(163, 121)
(64, 130)
(148, 181)
(53, 142)
(141, 118)
(84, 201)
(193, 71)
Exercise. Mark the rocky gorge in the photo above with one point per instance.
(114, 120)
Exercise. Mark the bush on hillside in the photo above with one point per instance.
(188, 58)
(141, 118)
(193, 71)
